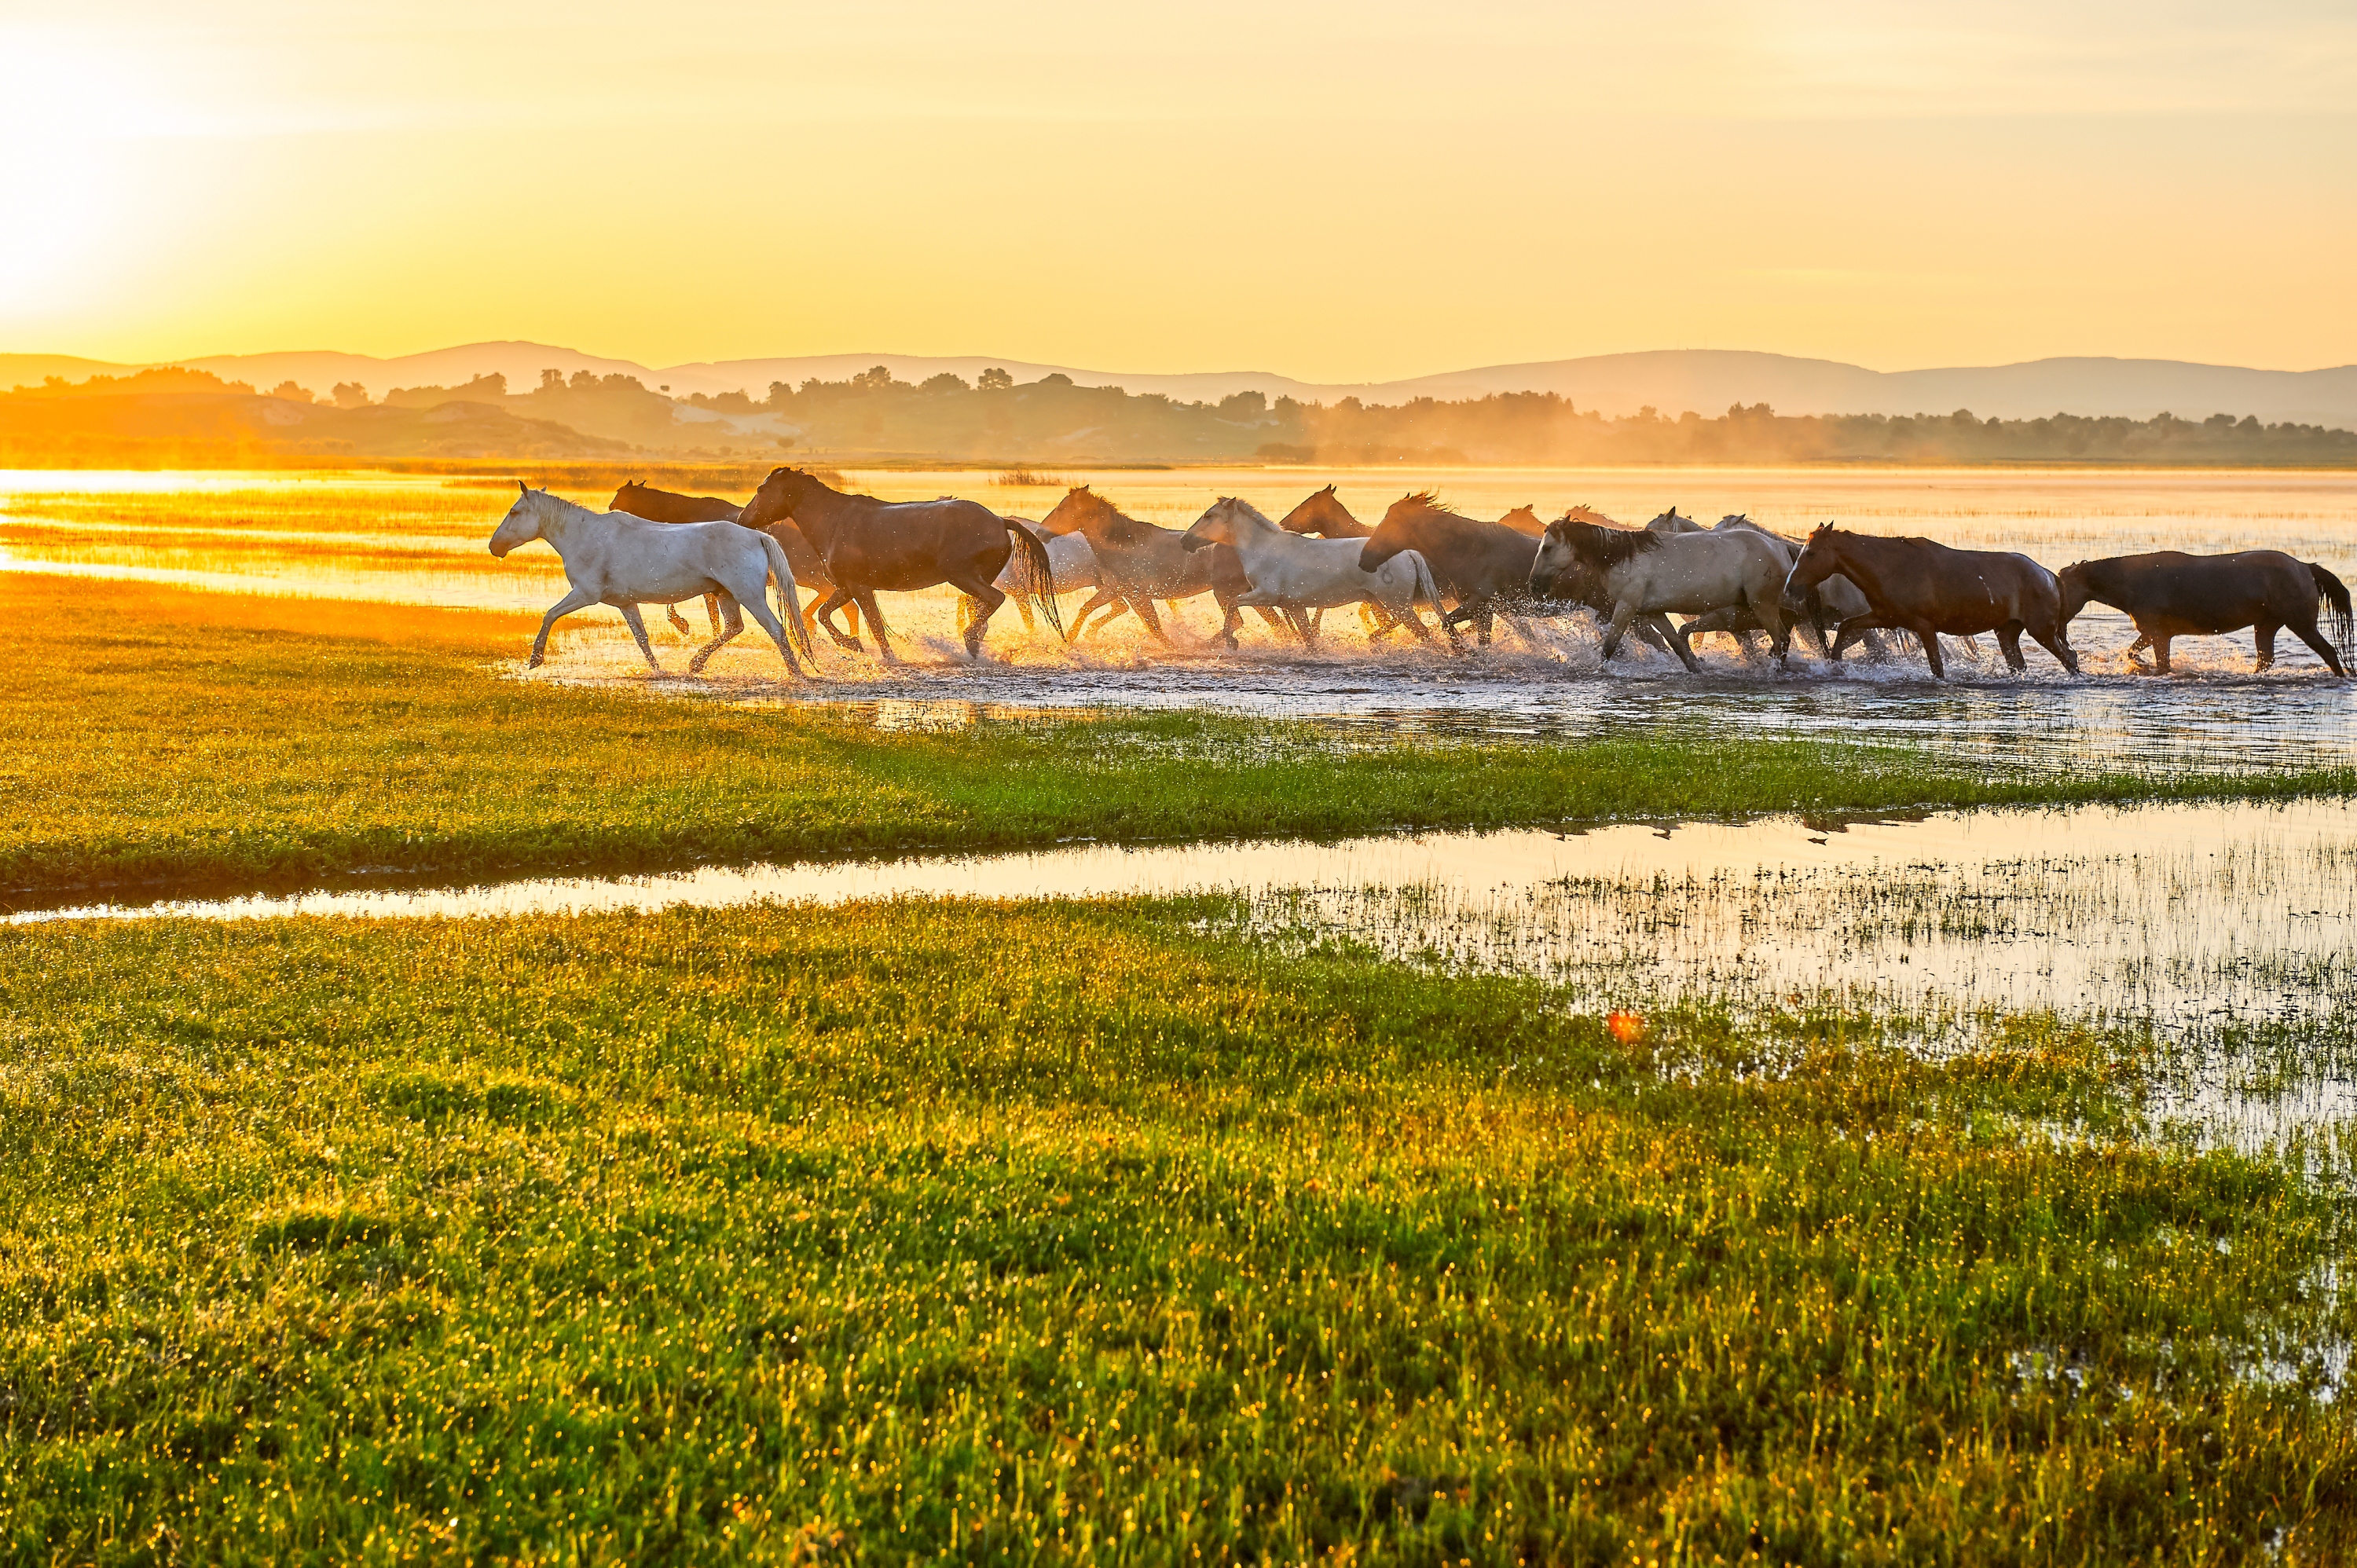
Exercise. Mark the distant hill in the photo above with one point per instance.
(1671, 380)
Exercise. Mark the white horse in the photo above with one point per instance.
(613, 558)
(1624, 573)
(1294, 572)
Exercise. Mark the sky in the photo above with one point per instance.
(1347, 191)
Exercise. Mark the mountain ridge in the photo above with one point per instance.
(1673, 381)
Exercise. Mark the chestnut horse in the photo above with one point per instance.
(1485, 566)
(642, 499)
(2169, 594)
(1925, 588)
(899, 547)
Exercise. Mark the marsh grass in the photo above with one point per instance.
(1063, 1233)
(166, 738)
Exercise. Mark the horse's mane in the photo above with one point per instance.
(1602, 548)
(1430, 500)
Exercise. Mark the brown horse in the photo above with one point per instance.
(1524, 520)
(2169, 594)
(1323, 512)
(869, 546)
(1919, 586)
(1483, 565)
(642, 499)
(1138, 562)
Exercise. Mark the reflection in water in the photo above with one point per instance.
(2220, 923)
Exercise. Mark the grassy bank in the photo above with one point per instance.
(186, 738)
(1064, 1233)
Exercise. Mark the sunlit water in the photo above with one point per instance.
(419, 540)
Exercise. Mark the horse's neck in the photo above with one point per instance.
(561, 524)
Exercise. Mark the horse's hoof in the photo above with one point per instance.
(535, 662)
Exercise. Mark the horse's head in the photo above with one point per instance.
(1079, 507)
(776, 499)
(521, 524)
(1671, 522)
(1524, 520)
(1320, 512)
(2072, 581)
(1574, 556)
(1219, 525)
(1820, 558)
(632, 491)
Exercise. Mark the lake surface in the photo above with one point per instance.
(413, 539)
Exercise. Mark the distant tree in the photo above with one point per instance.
(946, 383)
(292, 392)
(1055, 379)
(877, 378)
(349, 394)
(1243, 407)
(995, 379)
(551, 379)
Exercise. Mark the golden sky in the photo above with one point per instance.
(1343, 191)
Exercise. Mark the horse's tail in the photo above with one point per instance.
(1427, 590)
(791, 600)
(2336, 594)
(1042, 588)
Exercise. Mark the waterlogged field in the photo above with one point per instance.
(1892, 1187)
(419, 540)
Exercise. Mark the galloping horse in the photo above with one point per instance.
(1918, 586)
(1483, 564)
(642, 499)
(1139, 562)
(898, 547)
(2169, 594)
(613, 558)
(1633, 573)
(1294, 574)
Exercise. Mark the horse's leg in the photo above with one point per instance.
(578, 599)
(1276, 621)
(1143, 607)
(639, 630)
(678, 621)
(866, 598)
(2057, 642)
(2008, 642)
(2143, 641)
(712, 610)
(824, 612)
(735, 624)
(768, 620)
(2263, 636)
(1098, 600)
(1930, 641)
(1230, 619)
(2316, 642)
(983, 597)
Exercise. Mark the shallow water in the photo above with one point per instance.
(2173, 911)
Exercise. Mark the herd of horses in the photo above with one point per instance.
(1841, 589)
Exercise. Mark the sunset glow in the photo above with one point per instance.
(1335, 191)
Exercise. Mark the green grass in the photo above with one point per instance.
(192, 739)
(1068, 1233)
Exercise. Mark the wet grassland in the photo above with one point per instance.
(1156, 1231)
(165, 740)
(1083, 1232)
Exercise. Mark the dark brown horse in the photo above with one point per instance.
(870, 546)
(2169, 594)
(1138, 562)
(1485, 566)
(1919, 586)
(642, 499)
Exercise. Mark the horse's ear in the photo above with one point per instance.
(524, 487)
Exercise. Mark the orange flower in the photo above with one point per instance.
(1627, 1027)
